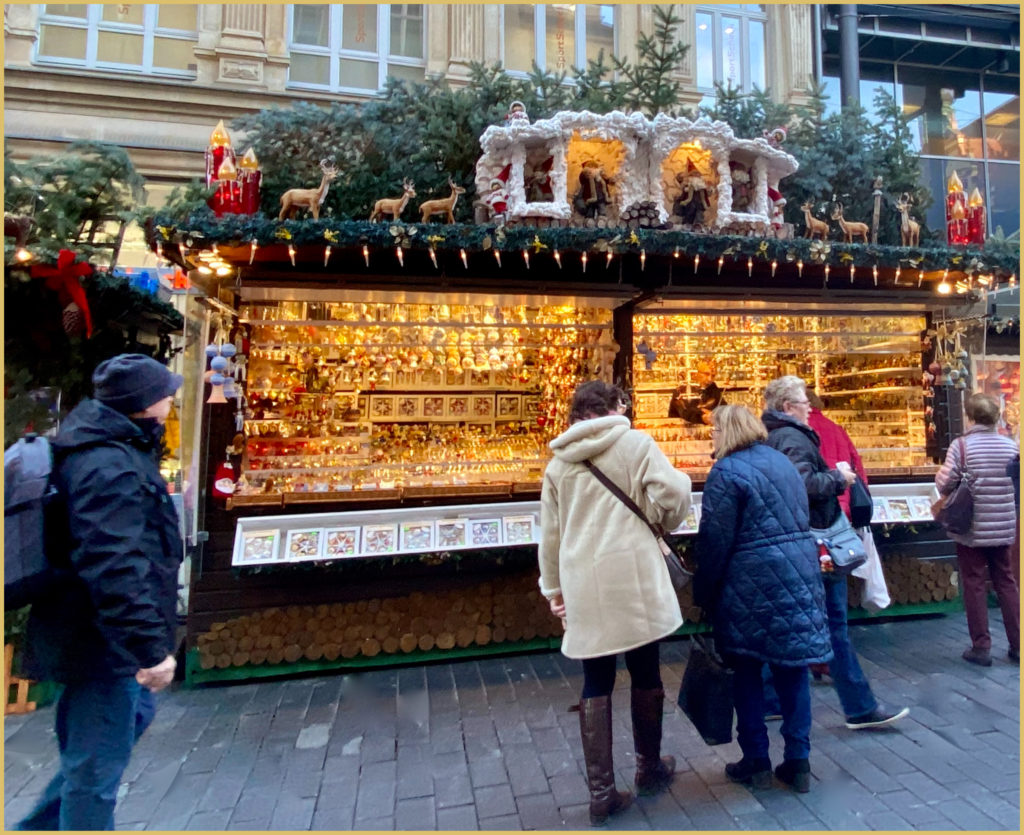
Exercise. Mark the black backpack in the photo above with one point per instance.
(29, 498)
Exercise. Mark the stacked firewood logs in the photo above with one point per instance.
(641, 214)
(912, 580)
(509, 610)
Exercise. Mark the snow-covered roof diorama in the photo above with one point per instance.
(549, 168)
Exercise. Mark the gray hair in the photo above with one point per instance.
(782, 390)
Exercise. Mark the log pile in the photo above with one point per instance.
(641, 215)
(510, 610)
(912, 580)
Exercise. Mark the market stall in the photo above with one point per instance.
(374, 470)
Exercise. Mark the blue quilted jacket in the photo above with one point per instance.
(758, 575)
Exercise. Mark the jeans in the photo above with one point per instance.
(794, 693)
(850, 682)
(998, 562)
(98, 723)
(642, 663)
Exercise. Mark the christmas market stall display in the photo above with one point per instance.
(382, 390)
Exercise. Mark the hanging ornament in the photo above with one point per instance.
(72, 320)
(252, 251)
(65, 278)
(696, 260)
(400, 256)
(327, 255)
(366, 254)
(431, 252)
(465, 259)
(558, 258)
(643, 259)
(224, 479)
(217, 389)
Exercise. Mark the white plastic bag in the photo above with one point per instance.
(876, 594)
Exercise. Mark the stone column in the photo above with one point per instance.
(232, 45)
(790, 46)
(466, 39)
(686, 73)
(21, 25)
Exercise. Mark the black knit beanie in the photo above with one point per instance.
(130, 383)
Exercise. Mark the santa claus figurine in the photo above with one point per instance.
(540, 189)
(497, 199)
(777, 201)
(517, 114)
(740, 176)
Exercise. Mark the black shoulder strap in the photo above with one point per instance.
(626, 500)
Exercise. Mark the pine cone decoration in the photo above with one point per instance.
(73, 320)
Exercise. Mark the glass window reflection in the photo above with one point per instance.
(1002, 126)
(1004, 199)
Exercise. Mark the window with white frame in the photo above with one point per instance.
(355, 47)
(730, 46)
(155, 39)
(558, 36)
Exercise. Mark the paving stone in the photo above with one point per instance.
(502, 824)
(494, 801)
(539, 811)
(415, 813)
(488, 771)
(376, 794)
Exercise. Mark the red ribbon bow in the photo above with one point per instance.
(64, 278)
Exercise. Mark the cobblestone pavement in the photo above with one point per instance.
(491, 745)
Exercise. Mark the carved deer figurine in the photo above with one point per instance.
(308, 198)
(393, 205)
(813, 227)
(443, 205)
(851, 228)
(910, 229)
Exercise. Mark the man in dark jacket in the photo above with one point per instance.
(106, 631)
(785, 418)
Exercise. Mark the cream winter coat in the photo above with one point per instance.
(595, 551)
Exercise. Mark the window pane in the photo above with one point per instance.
(519, 42)
(705, 52)
(177, 17)
(600, 22)
(58, 42)
(359, 29)
(1002, 126)
(756, 53)
(945, 116)
(831, 93)
(731, 73)
(124, 13)
(407, 73)
(1004, 186)
(359, 74)
(309, 69)
(560, 37)
(311, 25)
(118, 48)
(173, 53)
(407, 30)
(67, 9)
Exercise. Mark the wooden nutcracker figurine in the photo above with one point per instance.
(497, 199)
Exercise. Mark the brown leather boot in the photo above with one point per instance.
(653, 772)
(596, 732)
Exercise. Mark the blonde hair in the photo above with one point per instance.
(738, 428)
(784, 390)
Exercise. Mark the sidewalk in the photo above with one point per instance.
(492, 745)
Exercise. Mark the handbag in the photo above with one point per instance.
(955, 511)
(861, 507)
(843, 543)
(876, 594)
(678, 572)
(705, 695)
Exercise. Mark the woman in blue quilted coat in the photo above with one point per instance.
(759, 582)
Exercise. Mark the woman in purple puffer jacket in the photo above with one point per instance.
(989, 542)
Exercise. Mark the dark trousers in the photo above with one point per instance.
(642, 663)
(794, 693)
(98, 723)
(973, 563)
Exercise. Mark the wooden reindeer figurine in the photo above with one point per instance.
(308, 198)
(910, 229)
(813, 227)
(393, 205)
(443, 205)
(850, 228)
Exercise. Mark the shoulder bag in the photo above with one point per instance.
(861, 506)
(955, 510)
(843, 543)
(678, 571)
(705, 694)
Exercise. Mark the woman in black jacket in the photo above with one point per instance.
(759, 581)
(785, 418)
(106, 630)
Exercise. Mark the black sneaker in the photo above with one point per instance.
(981, 657)
(878, 718)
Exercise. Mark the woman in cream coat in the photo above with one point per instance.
(604, 575)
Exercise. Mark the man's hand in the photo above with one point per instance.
(157, 678)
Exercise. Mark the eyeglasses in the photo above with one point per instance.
(800, 402)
